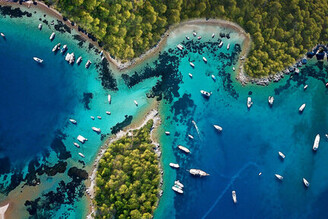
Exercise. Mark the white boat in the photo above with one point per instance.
(167, 133)
(306, 183)
(174, 165)
(305, 87)
(316, 142)
(96, 129)
(187, 38)
(70, 58)
(109, 98)
(178, 183)
(135, 102)
(82, 155)
(101, 52)
(221, 44)
(87, 65)
(249, 102)
(3, 35)
(194, 33)
(301, 108)
(192, 64)
(228, 46)
(190, 136)
(72, 121)
(234, 196)
(281, 155)
(81, 139)
(184, 149)
(270, 100)
(233, 69)
(56, 47)
(326, 135)
(279, 177)
(198, 172)
(190, 75)
(108, 113)
(64, 49)
(213, 77)
(79, 60)
(199, 38)
(204, 59)
(297, 70)
(40, 26)
(38, 60)
(213, 35)
(92, 117)
(99, 117)
(205, 93)
(177, 189)
(52, 36)
(219, 128)
(76, 145)
(260, 173)
(180, 47)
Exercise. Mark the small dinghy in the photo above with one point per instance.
(281, 155)
(72, 121)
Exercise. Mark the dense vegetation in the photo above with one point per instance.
(128, 177)
(282, 30)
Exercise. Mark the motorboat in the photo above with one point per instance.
(81, 139)
(228, 46)
(190, 75)
(305, 87)
(56, 47)
(92, 117)
(3, 35)
(234, 197)
(87, 65)
(76, 145)
(205, 93)
(108, 113)
(219, 128)
(109, 98)
(192, 64)
(174, 165)
(233, 69)
(194, 33)
(167, 133)
(101, 52)
(249, 102)
(213, 35)
(99, 117)
(180, 47)
(306, 183)
(79, 60)
(135, 102)
(178, 183)
(190, 136)
(38, 60)
(198, 172)
(260, 173)
(64, 49)
(40, 26)
(270, 100)
(70, 58)
(220, 44)
(213, 77)
(279, 177)
(177, 189)
(52, 36)
(187, 38)
(281, 155)
(204, 59)
(200, 37)
(316, 142)
(184, 149)
(82, 155)
(96, 129)
(302, 108)
(72, 121)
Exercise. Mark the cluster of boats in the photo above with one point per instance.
(178, 187)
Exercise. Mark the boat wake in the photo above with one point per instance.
(196, 127)
(233, 178)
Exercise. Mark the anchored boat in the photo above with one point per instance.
(281, 155)
(316, 142)
(234, 196)
(38, 60)
(279, 177)
(72, 121)
(205, 93)
(184, 149)
(198, 172)
(302, 108)
(217, 127)
(249, 102)
(306, 183)
(174, 165)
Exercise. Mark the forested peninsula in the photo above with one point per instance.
(282, 30)
(128, 177)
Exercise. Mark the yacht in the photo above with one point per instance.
(81, 139)
(270, 100)
(233, 69)
(316, 142)
(204, 59)
(192, 64)
(79, 60)
(109, 98)
(96, 129)
(213, 35)
(301, 108)
(187, 38)
(279, 177)
(52, 36)
(64, 49)
(38, 60)
(205, 93)
(180, 47)
(281, 155)
(306, 183)
(177, 189)
(92, 117)
(219, 128)
(56, 47)
(199, 38)
(72, 121)
(213, 77)
(135, 102)
(198, 172)
(221, 44)
(76, 145)
(174, 165)
(178, 183)
(228, 46)
(99, 117)
(234, 196)
(249, 102)
(70, 58)
(305, 87)
(87, 65)
(190, 75)
(108, 113)
(184, 149)
(40, 26)
(82, 155)
(167, 133)
(194, 33)
(190, 136)
(3, 35)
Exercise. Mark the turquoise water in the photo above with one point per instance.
(38, 100)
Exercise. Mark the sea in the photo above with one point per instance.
(42, 174)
